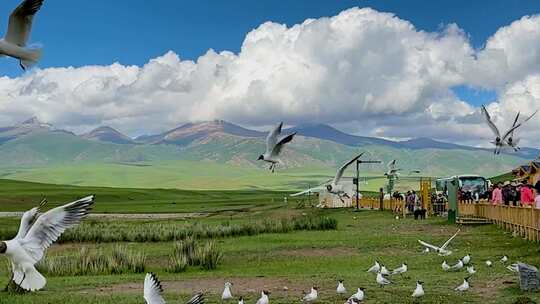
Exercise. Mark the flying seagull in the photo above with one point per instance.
(309, 191)
(341, 288)
(274, 146)
(501, 141)
(419, 291)
(392, 170)
(25, 252)
(311, 296)
(264, 297)
(442, 251)
(335, 187)
(19, 26)
(227, 294)
(153, 291)
(27, 220)
(514, 142)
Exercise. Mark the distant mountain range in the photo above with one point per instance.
(33, 143)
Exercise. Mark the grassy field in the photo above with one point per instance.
(297, 259)
(195, 175)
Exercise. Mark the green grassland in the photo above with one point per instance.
(297, 259)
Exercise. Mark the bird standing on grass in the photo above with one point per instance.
(264, 297)
(401, 269)
(471, 270)
(26, 251)
(227, 294)
(504, 259)
(445, 266)
(489, 263)
(375, 268)
(241, 300)
(359, 295)
(458, 265)
(384, 271)
(311, 296)
(419, 291)
(464, 286)
(274, 147)
(466, 259)
(18, 32)
(341, 288)
(381, 280)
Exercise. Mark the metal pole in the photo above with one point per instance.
(357, 184)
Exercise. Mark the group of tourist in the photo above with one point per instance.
(515, 194)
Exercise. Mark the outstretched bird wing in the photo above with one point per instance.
(272, 138)
(490, 123)
(340, 171)
(308, 191)
(50, 225)
(28, 219)
(153, 290)
(428, 245)
(449, 240)
(279, 146)
(197, 299)
(511, 131)
(20, 22)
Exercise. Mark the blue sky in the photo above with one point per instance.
(101, 32)
(77, 33)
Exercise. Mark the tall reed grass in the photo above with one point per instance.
(190, 252)
(94, 262)
(104, 232)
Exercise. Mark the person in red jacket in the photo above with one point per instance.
(527, 197)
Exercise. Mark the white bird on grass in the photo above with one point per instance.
(458, 265)
(375, 268)
(335, 187)
(442, 251)
(341, 288)
(153, 291)
(401, 269)
(381, 280)
(264, 297)
(241, 300)
(489, 263)
(426, 250)
(359, 295)
(466, 259)
(311, 296)
(384, 271)
(26, 251)
(274, 146)
(419, 291)
(464, 286)
(504, 259)
(445, 266)
(471, 270)
(18, 32)
(227, 294)
(352, 301)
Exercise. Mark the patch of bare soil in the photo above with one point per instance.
(279, 286)
(488, 289)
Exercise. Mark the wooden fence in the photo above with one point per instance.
(374, 203)
(521, 220)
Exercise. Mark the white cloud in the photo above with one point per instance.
(359, 68)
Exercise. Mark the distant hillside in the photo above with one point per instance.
(37, 150)
(108, 134)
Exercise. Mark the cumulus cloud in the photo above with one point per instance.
(371, 71)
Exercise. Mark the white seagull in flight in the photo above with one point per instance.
(153, 291)
(442, 251)
(33, 239)
(19, 26)
(274, 147)
(335, 187)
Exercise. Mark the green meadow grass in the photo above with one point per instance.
(304, 258)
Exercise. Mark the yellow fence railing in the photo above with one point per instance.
(523, 221)
(374, 203)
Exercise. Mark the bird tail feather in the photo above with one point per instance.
(31, 58)
(30, 279)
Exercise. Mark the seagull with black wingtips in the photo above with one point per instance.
(274, 145)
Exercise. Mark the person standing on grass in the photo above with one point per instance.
(496, 195)
(527, 198)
